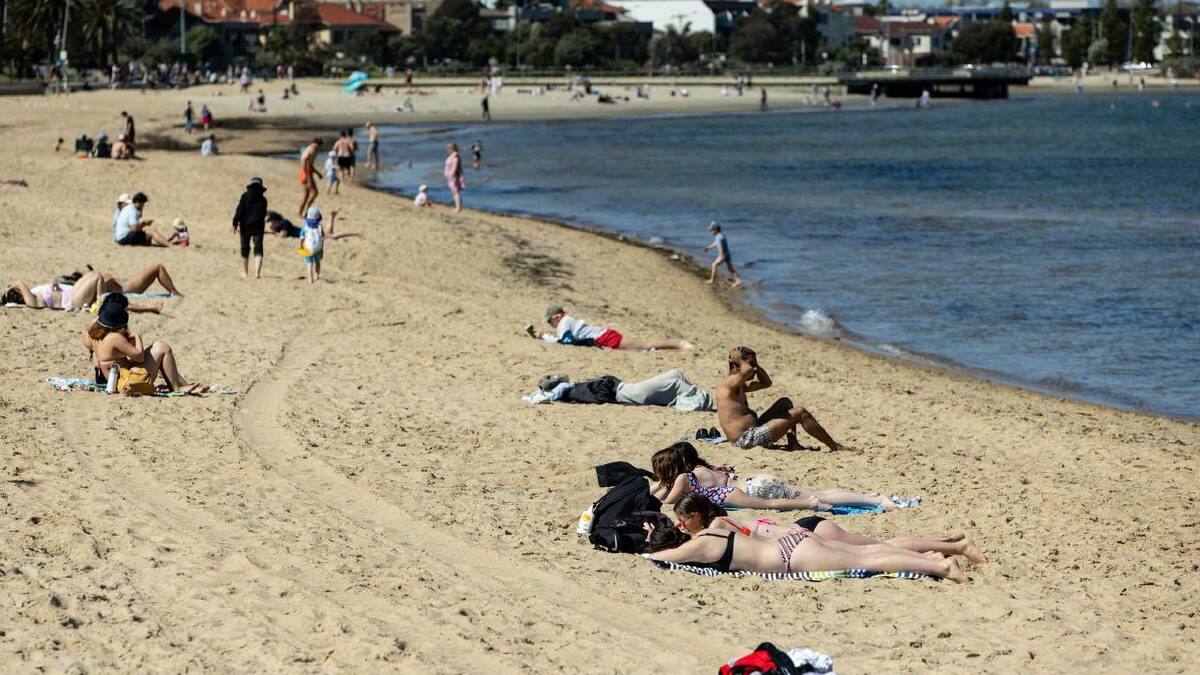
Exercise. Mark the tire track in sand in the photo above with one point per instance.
(210, 554)
(589, 616)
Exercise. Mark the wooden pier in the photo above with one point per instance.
(957, 83)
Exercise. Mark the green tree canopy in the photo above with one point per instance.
(1115, 32)
(1146, 31)
(777, 35)
(986, 42)
(1075, 42)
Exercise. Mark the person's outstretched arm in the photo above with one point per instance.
(32, 301)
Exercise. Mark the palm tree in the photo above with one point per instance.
(35, 23)
(105, 23)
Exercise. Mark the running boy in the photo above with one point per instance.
(722, 245)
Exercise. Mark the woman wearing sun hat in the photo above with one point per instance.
(249, 220)
(111, 343)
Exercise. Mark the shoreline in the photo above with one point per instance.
(739, 305)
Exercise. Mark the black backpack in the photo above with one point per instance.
(618, 516)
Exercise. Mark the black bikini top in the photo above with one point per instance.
(726, 560)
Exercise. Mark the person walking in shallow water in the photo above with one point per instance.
(722, 245)
(453, 172)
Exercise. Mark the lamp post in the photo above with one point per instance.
(182, 27)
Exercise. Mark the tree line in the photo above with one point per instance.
(104, 32)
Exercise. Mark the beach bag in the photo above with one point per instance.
(618, 516)
(766, 659)
(135, 382)
(613, 473)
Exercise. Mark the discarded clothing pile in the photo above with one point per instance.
(768, 659)
(671, 388)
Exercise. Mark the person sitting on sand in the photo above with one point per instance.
(679, 470)
(799, 551)
(121, 149)
(130, 229)
(87, 289)
(422, 198)
(569, 330)
(110, 342)
(179, 234)
(743, 426)
(695, 513)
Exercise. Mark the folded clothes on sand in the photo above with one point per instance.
(790, 576)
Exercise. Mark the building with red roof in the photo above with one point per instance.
(244, 24)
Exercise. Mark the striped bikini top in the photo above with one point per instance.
(716, 495)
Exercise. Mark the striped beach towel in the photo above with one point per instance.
(791, 576)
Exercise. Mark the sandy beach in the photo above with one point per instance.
(376, 497)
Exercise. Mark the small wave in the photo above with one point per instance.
(819, 323)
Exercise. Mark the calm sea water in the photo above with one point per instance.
(1052, 241)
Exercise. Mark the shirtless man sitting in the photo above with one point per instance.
(748, 430)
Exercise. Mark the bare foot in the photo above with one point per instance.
(838, 447)
(887, 504)
(709, 282)
(686, 345)
(737, 283)
(972, 553)
(157, 308)
(954, 572)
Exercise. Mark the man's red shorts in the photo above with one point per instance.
(609, 339)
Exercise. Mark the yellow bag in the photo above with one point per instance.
(135, 382)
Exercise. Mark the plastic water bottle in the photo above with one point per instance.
(114, 372)
(585, 521)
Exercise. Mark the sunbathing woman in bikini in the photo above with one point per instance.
(680, 470)
(110, 342)
(88, 288)
(799, 551)
(695, 513)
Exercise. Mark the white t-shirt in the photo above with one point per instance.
(421, 199)
(125, 221)
(578, 328)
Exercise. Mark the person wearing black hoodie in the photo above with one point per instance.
(249, 220)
